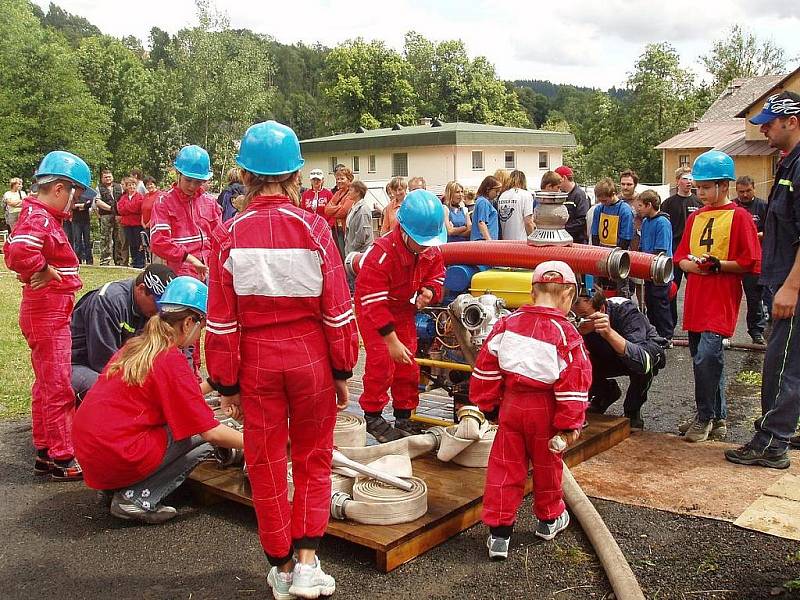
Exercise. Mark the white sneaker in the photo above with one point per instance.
(548, 531)
(310, 581)
(498, 546)
(280, 583)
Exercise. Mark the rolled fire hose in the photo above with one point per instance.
(616, 566)
(412, 446)
(350, 430)
(376, 503)
(470, 442)
(340, 460)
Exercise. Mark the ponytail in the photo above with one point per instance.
(139, 353)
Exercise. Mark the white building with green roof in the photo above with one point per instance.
(439, 152)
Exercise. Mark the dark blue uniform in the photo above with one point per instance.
(102, 322)
(644, 356)
(780, 387)
(754, 291)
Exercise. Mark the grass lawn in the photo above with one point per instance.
(16, 374)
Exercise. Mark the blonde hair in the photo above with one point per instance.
(14, 180)
(138, 354)
(681, 171)
(254, 184)
(502, 177)
(127, 180)
(395, 183)
(554, 290)
(451, 188)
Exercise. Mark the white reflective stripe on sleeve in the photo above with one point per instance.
(187, 240)
(382, 258)
(374, 295)
(529, 357)
(26, 239)
(337, 324)
(575, 396)
(210, 329)
(484, 378)
(344, 315)
(222, 325)
(67, 270)
(373, 300)
(276, 272)
(486, 375)
(161, 227)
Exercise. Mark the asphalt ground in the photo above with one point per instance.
(59, 542)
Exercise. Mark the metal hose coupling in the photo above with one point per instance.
(338, 502)
(661, 268)
(229, 457)
(618, 264)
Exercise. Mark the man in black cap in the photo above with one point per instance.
(621, 342)
(105, 318)
(779, 122)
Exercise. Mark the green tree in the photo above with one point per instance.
(662, 102)
(73, 27)
(536, 105)
(453, 87)
(44, 104)
(117, 79)
(742, 54)
(224, 83)
(367, 84)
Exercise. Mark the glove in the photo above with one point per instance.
(715, 266)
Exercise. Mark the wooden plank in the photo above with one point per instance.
(455, 497)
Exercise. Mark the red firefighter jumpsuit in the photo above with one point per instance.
(281, 327)
(180, 226)
(387, 285)
(535, 368)
(38, 240)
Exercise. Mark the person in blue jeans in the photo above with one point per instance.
(779, 122)
(656, 238)
(485, 222)
(720, 244)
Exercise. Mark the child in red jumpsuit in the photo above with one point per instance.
(534, 369)
(144, 426)
(40, 253)
(281, 330)
(400, 274)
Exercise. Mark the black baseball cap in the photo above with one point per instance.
(156, 277)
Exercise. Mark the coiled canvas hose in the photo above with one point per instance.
(350, 431)
(376, 503)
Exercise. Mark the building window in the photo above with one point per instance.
(683, 160)
(511, 159)
(477, 160)
(334, 162)
(356, 164)
(400, 164)
(544, 160)
(371, 164)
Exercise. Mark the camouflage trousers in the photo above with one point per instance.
(107, 223)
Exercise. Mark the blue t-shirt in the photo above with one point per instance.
(612, 223)
(656, 235)
(457, 219)
(486, 213)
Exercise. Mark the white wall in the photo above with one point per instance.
(437, 164)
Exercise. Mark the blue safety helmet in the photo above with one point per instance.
(185, 292)
(713, 165)
(270, 148)
(65, 165)
(193, 161)
(421, 216)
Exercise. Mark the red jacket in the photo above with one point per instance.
(147, 207)
(276, 265)
(181, 226)
(315, 202)
(537, 352)
(129, 208)
(38, 240)
(390, 278)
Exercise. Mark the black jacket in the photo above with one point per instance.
(782, 227)
(102, 322)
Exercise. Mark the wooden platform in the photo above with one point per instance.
(454, 497)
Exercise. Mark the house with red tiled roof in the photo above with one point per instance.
(724, 127)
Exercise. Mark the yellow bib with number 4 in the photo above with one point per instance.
(711, 233)
(608, 229)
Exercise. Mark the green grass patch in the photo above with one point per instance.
(16, 374)
(749, 378)
(571, 555)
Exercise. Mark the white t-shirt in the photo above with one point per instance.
(9, 195)
(589, 219)
(512, 208)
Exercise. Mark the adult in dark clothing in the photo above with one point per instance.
(105, 318)
(679, 206)
(753, 291)
(621, 342)
(81, 227)
(577, 204)
(106, 204)
(229, 194)
(779, 122)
